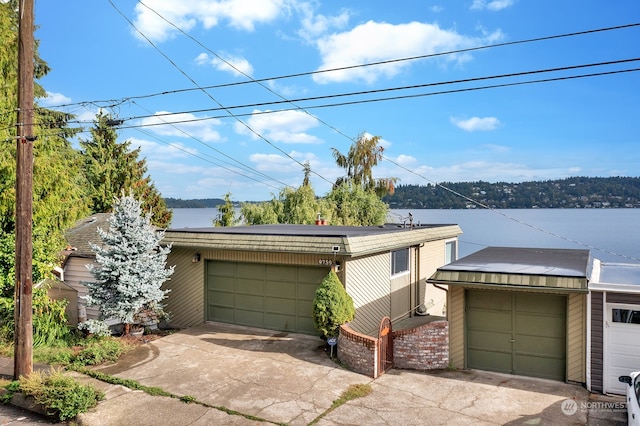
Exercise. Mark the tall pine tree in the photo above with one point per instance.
(131, 265)
(112, 168)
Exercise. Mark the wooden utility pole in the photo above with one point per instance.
(23, 349)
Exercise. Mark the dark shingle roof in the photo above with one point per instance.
(85, 232)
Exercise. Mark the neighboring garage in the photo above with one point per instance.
(277, 297)
(519, 311)
(516, 332)
(614, 323)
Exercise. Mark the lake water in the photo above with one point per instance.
(612, 235)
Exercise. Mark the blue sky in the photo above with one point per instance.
(202, 140)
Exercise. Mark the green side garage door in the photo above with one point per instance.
(515, 332)
(276, 297)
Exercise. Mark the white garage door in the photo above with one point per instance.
(621, 345)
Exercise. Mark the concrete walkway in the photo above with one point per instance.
(244, 376)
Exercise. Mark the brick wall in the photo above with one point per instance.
(357, 351)
(422, 348)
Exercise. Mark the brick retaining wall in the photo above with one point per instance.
(425, 347)
(358, 351)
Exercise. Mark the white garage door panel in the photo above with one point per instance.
(622, 349)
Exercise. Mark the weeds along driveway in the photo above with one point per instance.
(289, 379)
(284, 378)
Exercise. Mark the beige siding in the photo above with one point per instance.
(456, 327)
(185, 301)
(576, 349)
(367, 281)
(75, 273)
(431, 258)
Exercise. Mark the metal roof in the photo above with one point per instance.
(619, 277)
(520, 267)
(317, 239)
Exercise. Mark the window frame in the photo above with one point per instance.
(394, 272)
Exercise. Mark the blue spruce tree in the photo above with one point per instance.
(131, 265)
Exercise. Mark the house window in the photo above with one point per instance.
(449, 252)
(399, 261)
(626, 316)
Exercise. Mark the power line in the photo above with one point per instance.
(390, 61)
(246, 125)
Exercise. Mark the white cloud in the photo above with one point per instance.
(284, 126)
(274, 163)
(380, 41)
(314, 25)
(476, 124)
(496, 148)
(54, 99)
(153, 150)
(183, 125)
(240, 14)
(406, 160)
(436, 8)
(493, 5)
(234, 64)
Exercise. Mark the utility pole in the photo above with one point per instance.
(23, 335)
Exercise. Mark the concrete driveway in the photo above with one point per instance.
(244, 376)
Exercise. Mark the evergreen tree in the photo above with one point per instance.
(131, 265)
(112, 168)
(58, 182)
(332, 306)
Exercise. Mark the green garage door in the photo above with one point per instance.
(277, 297)
(517, 333)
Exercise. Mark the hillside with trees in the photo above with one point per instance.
(575, 192)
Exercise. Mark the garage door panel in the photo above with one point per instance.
(280, 321)
(539, 345)
(486, 340)
(495, 301)
(249, 317)
(529, 324)
(221, 313)
(490, 360)
(622, 349)
(488, 320)
(224, 283)
(249, 286)
(278, 297)
(536, 366)
(280, 289)
(224, 269)
(222, 298)
(518, 333)
(250, 302)
(249, 270)
(281, 273)
(539, 303)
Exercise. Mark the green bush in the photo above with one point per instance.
(98, 350)
(332, 306)
(60, 395)
(49, 320)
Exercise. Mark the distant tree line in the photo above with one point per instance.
(575, 192)
(201, 203)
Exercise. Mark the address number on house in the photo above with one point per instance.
(326, 262)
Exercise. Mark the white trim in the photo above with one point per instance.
(617, 288)
(588, 361)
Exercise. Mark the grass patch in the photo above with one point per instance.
(351, 393)
(61, 396)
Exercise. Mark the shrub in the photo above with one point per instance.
(95, 327)
(97, 351)
(49, 321)
(60, 395)
(332, 306)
